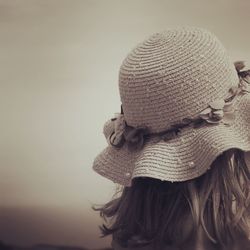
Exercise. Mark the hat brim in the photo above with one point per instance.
(183, 158)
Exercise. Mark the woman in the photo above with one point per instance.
(178, 147)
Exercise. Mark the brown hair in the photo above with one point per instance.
(157, 211)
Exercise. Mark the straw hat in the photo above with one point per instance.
(183, 102)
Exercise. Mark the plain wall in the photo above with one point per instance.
(59, 63)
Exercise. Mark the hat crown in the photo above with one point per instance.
(173, 75)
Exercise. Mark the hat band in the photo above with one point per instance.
(218, 111)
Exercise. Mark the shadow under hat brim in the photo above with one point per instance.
(183, 158)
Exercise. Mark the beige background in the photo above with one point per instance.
(59, 63)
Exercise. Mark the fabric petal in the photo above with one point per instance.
(218, 114)
(217, 104)
(205, 113)
(239, 65)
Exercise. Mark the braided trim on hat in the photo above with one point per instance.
(218, 111)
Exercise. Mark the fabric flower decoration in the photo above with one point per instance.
(135, 137)
(121, 133)
(239, 65)
(218, 111)
(244, 76)
(116, 138)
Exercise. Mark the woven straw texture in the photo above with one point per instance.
(170, 76)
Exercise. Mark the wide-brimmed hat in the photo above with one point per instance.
(183, 103)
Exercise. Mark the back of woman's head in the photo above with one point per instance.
(158, 212)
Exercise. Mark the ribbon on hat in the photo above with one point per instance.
(218, 111)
